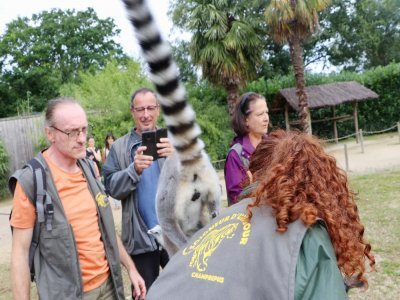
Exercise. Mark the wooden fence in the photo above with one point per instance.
(21, 135)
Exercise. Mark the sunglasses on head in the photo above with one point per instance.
(245, 99)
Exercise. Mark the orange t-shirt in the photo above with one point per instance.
(81, 212)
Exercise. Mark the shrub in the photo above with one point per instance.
(4, 170)
(214, 123)
(210, 105)
(42, 144)
(105, 96)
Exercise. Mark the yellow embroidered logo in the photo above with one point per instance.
(102, 200)
(204, 247)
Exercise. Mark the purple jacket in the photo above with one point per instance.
(235, 171)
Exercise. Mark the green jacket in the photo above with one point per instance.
(232, 258)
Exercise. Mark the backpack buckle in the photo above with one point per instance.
(50, 208)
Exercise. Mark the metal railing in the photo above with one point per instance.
(360, 138)
(362, 133)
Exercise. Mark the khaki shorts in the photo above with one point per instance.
(105, 291)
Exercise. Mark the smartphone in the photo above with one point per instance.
(161, 133)
(149, 140)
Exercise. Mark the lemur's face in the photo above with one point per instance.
(145, 112)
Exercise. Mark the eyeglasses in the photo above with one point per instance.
(74, 133)
(141, 109)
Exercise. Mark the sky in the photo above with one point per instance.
(12, 9)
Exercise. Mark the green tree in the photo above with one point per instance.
(225, 40)
(40, 53)
(105, 95)
(276, 60)
(368, 33)
(107, 91)
(187, 70)
(357, 35)
(292, 22)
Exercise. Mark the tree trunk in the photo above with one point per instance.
(296, 54)
(232, 90)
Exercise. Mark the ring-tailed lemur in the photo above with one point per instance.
(188, 192)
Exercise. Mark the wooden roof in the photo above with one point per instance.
(323, 95)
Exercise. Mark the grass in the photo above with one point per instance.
(5, 202)
(379, 206)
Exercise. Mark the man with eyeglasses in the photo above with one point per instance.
(132, 178)
(78, 254)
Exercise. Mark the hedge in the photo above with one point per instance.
(374, 115)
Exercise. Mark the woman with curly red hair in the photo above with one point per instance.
(307, 185)
(298, 235)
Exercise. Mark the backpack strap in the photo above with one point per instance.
(42, 202)
(44, 208)
(238, 149)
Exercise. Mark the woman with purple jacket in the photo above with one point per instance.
(250, 122)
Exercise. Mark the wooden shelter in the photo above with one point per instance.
(325, 95)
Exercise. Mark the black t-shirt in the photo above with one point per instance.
(90, 155)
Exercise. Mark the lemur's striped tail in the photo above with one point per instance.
(188, 191)
(179, 116)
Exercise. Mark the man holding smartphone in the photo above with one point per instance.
(132, 177)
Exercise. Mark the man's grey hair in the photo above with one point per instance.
(142, 91)
(53, 104)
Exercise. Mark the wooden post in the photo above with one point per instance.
(361, 139)
(335, 133)
(309, 121)
(287, 116)
(346, 157)
(355, 116)
(398, 129)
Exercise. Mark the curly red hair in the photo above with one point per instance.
(299, 180)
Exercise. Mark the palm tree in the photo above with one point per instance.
(292, 22)
(226, 40)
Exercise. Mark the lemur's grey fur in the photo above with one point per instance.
(188, 194)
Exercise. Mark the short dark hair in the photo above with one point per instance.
(141, 91)
(241, 112)
(53, 104)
